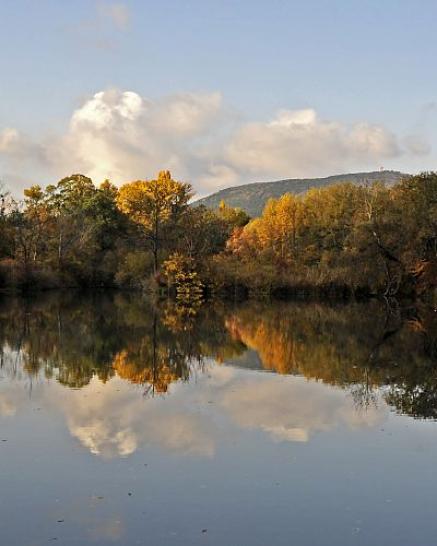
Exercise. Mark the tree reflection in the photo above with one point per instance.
(356, 346)
(74, 339)
(359, 347)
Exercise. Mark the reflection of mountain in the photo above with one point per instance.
(355, 346)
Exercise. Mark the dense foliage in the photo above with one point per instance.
(75, 234)
(343, 238)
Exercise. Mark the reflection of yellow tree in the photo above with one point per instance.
(159, 377)
(307, 340)
(366, 346)
(178, 317)
(74, 339)
(353, 346)
(275, 347)
(152, 359)
(174, 340)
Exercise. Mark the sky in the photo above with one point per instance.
(219, 92)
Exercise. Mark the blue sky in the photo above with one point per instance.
(365, 70)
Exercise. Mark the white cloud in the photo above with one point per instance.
(219, 176)
(9, 140)
(14, 145)
(22, 160)
(186, 115)
(124, 136)
(296, 143)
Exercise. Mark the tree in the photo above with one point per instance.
(416, 198)
(5, 231)
(201, 233)
(155, 205)
(233, 216)
(68, 202)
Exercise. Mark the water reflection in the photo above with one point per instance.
(360, 347)
(115, 413)
(74, 339)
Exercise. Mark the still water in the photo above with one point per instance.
(125, 423)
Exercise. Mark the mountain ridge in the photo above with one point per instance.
(253, 196)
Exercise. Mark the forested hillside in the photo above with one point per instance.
(253, 197)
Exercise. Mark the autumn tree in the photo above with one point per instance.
(232, 216)
(155, 205)
(416, 199)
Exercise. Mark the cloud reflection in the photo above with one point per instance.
(7, 406)
(114, 420)
(291, 408)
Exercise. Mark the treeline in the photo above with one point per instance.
(142, 235)
(343, 239)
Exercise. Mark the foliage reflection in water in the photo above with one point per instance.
(359, 347)
(127, 422)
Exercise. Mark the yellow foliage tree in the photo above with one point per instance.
(153, 204)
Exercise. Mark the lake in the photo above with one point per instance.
(257, 423)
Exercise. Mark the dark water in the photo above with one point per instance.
(253, 424)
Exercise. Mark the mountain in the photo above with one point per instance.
(253, 197)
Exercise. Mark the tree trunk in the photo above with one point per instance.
(155, 247)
